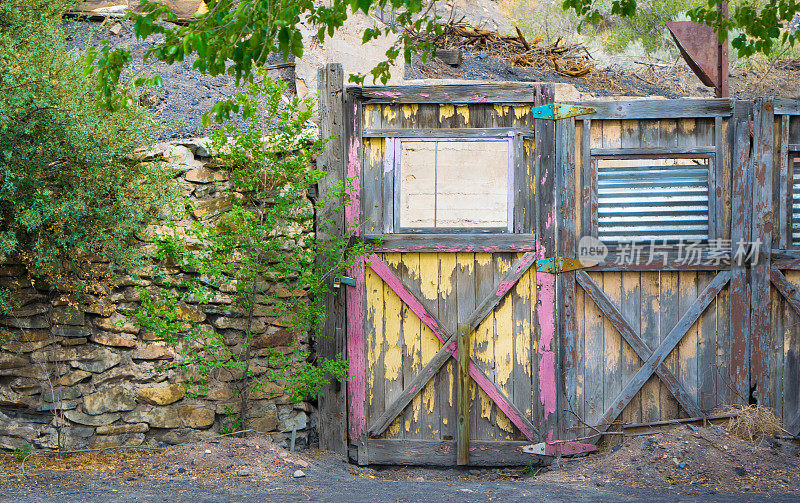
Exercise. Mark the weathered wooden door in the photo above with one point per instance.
(446, 187)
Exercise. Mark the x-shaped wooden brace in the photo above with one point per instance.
(415, 302)
(789, 292)
(652, 360)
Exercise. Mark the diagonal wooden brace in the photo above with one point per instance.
(658, 356)
(449, 346)
(627, 332)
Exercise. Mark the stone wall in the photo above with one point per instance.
(90, 377)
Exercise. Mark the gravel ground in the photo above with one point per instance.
(255, 469)
(186, 93)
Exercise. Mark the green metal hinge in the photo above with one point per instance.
(555, 111)
(556, 265)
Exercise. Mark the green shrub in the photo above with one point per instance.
(69, 195)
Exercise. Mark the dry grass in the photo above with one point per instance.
(752, 421)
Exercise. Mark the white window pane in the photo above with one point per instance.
(418, 183)
(472, 184)
(468, 187)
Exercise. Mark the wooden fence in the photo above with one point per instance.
(705, 313)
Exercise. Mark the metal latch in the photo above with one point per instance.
(338, 280)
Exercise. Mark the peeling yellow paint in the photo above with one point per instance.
(412, 335)
(501, 110)
(409, 110)
(463, 111)
(520, 112)
(446, 111)
(369, 117)
(429, 275)
(447, 271)
(483, 258)
(389, 114)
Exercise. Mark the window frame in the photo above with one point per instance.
(711, 198)
(392, 184)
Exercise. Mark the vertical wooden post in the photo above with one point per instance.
(462, 432)
(741, 192)
(332, 401)
(761, 382)
(565, 222)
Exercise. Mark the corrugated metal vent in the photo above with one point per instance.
(653, 199)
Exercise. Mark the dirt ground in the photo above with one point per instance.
(681, 464)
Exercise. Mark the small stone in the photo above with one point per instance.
(154, 351)
(243, 473)
(115, 340)
(112, 400)
(163, 395)
(194, 416)
(116, 28)
(79, 417)
(213, 206)
(205, 175)
(208, 451)
(298, 474)
(116, 323)
(740, 471)
(158, 417)
(120, 429)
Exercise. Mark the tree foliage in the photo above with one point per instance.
(68, 193)
(758, 27)
(234, 37)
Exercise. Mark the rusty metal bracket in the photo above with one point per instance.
(555, 111)
(559, 448)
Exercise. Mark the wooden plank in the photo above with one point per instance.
(512, 93)
(546, 325)
(356, 298)
(623, 326)
(707, 371)
(659, 109)
(686, 349)
(669, 314)
(567, 242)
(446, 391)
(654, 152)
(452, 243)
(787, 106)
(460, 133)
(375, 340)
(504, 346)
(630, 308)
(791, 365)
(788, 290)
(763, 140)
(650, 333)
(443, 453)
(784, 206)
(484, 414)
(462, 431)
(397, 360)
(414, 301)
(333, 399)
(738, 374)
(593, 355)
(660, 354)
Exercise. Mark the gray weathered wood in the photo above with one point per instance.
(762, 211)
(506, 283)
(473, 133)
(659, 109)
(622, 326)
(452, 243)
(462, 402)
(443, 453)
(787, 106)
(412, 388)
(332, 400)
(513, 93)
(788, 290)
(655, 152)
(658, 356)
